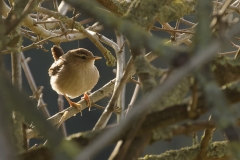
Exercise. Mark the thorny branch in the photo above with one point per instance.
(45, 33)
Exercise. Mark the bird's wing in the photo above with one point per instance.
(57, 66)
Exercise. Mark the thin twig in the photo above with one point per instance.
(62, 9)
(29, 7)
(42, 22)
(134, 97)
(61, 121)
(33, 45)
(220, 12)
(176, 28)
(120, 64)
(180, 37)
(116, 110)
(102, 121)
(55, 4)
(235, 45)
(224, 7)
(25, 34)
(227, 53)
(134, 81)
(32, 84)
(98, 106)
(194, 100)
(229, 7)
(25, 140)
(33, 147)
(61, 108)
(206, 140)
(171, 30)
(187, 22)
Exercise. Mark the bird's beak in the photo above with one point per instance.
(96, 57)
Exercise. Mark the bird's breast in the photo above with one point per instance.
(75, 83)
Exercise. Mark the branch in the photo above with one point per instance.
(206, 140)
(120, 55)
(44, 33)
(102, 121)
(216, 151)
(28, 9)
(107, 54)
(33, 86)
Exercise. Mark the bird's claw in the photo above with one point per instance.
(77, 105)
(88, 100)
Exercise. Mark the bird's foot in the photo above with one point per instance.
(88, 100)
(74, 104)
(77, 105)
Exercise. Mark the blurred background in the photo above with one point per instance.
(41, 61)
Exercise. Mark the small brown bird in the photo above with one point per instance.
(74, 73)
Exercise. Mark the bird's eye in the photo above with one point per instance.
(83, 57)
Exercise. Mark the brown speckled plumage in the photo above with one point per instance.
(73, 73)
